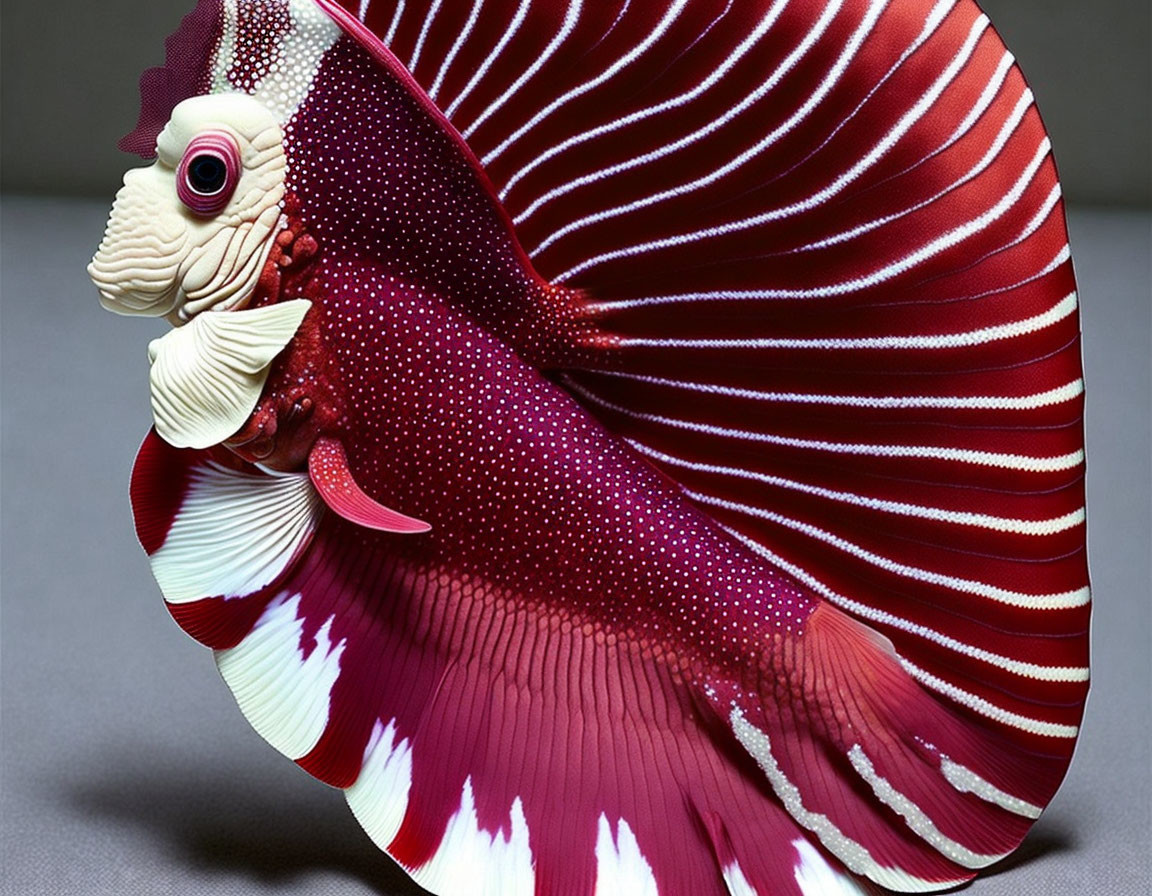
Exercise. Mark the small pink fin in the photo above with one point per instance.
(328, 468)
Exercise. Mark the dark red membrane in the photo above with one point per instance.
(186, 72)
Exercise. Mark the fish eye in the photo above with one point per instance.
(208, 172)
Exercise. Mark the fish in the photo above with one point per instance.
(627, 447)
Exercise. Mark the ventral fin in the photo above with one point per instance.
(328, 467)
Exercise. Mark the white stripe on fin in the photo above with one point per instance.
(570, 18)
(880, 149)
(736, 882)
(675, 7)
(1062, 600)
(428, 18)
(900, 508)
(284, 696)
(1023, 104)
(987, 708)
(395, 24)
(509, 33)
(816, 877)
(853, 854)
(981, 336)
(1024, 462)
(1047, 398)
(915, 817)
(1039, 218)
(620, 865)
(235, 533)
(461, 38)
(967, 781)
(379, 797)
(471, 861)
(863, 611)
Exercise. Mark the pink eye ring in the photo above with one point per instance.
(208, 172)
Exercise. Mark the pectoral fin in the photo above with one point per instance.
(328, 467)
(207, 376)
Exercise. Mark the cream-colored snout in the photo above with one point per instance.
(136, 267)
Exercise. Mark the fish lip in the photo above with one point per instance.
(114, 301)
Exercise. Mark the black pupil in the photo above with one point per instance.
(206, 174)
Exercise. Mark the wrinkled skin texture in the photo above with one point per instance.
(302, 401)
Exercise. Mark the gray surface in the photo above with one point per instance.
(1090, 66)
(70, 71)
(127, 768)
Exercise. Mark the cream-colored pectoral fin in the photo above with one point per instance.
(207, 375)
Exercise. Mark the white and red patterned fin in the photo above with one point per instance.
(218, 532)
(490, 745)
(489, 748)
(824, 247)
(890, 780)
(492, 749)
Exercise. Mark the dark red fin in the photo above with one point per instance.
(187, 71)
(328, 468)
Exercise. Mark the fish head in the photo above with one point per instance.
(196, 230)
(191, 231)
(294, 160)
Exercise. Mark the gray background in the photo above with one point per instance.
(125, 767)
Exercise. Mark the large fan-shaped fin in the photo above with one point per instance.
(824, 285)
(823, 244)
